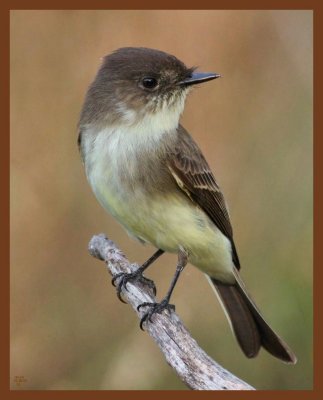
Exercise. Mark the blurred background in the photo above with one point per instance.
(68, 329)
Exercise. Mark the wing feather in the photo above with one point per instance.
(195, 178)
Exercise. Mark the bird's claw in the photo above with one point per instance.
(154, 308)
(120, 281)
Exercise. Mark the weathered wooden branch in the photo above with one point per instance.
(194, 367)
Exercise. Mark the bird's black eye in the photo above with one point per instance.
(149, 82)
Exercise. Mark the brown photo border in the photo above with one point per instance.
(6, 7)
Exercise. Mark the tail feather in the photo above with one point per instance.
(248, 325)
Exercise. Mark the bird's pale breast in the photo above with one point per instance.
(161, 215)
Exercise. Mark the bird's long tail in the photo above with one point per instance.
(249, 327)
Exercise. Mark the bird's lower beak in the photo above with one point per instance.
(199, 77)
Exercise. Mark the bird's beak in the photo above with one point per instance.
(199, 77)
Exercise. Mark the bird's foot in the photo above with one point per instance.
(120, 281)
(153, 309)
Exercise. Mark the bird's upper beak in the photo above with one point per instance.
(199, 77)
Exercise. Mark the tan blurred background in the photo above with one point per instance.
(68, 330)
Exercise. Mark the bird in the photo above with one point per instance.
(147, 171)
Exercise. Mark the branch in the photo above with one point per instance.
(194, 367)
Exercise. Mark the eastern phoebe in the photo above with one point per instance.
(147, 171)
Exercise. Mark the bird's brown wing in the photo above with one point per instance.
(194, 176)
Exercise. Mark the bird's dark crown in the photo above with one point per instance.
(136, 63)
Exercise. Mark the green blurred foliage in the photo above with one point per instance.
(68, 330)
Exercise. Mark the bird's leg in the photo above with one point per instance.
(123, 278)
(164, 304)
